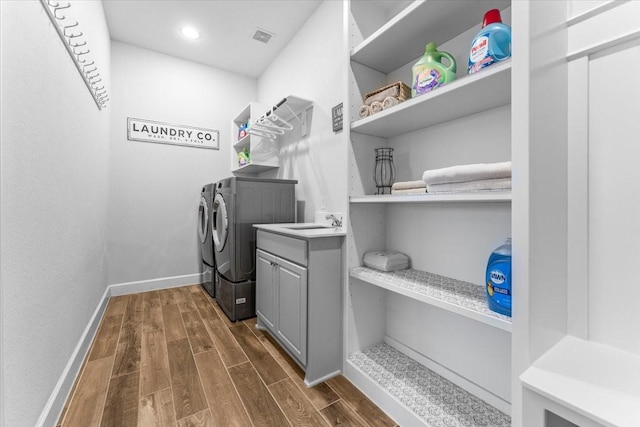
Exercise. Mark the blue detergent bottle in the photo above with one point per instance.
(491, 44)
(498, 279)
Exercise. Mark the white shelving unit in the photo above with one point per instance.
(576, 356)
(415, 24)
(493, 196)
(571, 355)
(396, 320)
(490, 88)
(603, 386)
(456, 296)
(429, 398)
(253, 168)
(264, 152)
(245, 142)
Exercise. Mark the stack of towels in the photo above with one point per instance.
(377, 106)
(386, 260)
(469, 178)
(409, 187)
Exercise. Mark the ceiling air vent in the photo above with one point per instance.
(262, 35)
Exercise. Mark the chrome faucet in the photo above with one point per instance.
(335, 221)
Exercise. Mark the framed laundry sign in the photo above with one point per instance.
(165, 133)
(336, 117)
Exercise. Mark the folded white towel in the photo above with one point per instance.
(404, 185)
(389, 102)
(466, 173)
(422, 190)
(376, 107)
(364, 111)
(499, 184)
(386, 260)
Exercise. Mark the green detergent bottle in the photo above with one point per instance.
(429, 72)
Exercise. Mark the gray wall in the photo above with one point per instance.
(155, 188)
(54, 170)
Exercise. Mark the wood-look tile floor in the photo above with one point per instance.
(172, 358)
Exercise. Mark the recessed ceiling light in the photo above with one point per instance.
(190, 33)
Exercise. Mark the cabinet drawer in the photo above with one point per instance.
(285, 247)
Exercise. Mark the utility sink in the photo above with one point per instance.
(308, 227)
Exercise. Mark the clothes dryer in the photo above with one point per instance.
(238, 204)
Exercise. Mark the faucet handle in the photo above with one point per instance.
(335, 221)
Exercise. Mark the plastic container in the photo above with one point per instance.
(498, 279)
(492, 44)
(429, 72)
(244, 157)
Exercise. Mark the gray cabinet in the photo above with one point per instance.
(281, 302)
(266, 292)
(291, 291)
(299, 299)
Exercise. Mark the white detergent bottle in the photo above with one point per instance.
(491, 44)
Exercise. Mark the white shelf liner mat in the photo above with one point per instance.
(432, 398)
(456, 292)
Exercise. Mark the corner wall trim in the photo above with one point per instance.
(60, 393)
(155, 284)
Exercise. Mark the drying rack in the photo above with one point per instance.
(271, 124)
(72, 40)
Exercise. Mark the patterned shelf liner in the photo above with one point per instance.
(435, 400)
(451, 291)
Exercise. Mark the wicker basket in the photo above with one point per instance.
(396, 90)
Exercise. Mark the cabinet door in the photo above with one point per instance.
(266, 288)
(292, 308)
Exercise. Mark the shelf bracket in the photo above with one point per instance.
(302, 119)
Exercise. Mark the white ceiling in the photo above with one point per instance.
(226, 29)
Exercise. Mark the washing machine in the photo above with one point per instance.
(238, 204)
(205, 234)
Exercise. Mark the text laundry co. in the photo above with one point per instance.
(150, 131)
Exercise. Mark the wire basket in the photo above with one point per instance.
(397, 90)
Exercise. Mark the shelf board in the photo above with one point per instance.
(489, 196)
(243, 116)
(430, 398)
(403, 38)
(604, 386)
(463, 298)
(253, 168)
(487, 89)
(290, 106)
(243, 143)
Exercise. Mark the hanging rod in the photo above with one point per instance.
(295, 106)
(55, 11)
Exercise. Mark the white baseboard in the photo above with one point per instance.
(327, 377)
(55, 404)
(155, 284)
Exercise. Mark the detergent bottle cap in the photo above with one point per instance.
(491, 17)
(430, 47)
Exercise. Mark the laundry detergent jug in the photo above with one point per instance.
(429, 72)
(491, 44)
(498, 279)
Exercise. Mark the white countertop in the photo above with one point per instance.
(302, 230)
